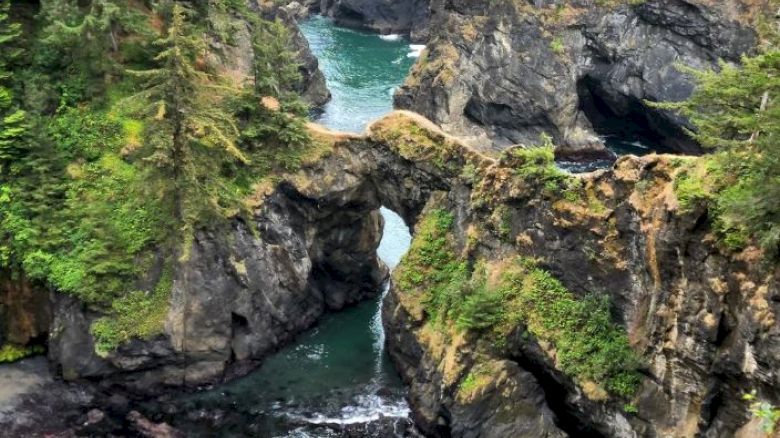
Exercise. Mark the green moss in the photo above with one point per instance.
(12, 352)
(431, 268)
(690, 191)
(139, 314)
(630, 408)
(478, 377)
(557, 47)
(419, 144)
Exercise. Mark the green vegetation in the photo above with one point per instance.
(12, 119)
(479, 376)
(537, 165)
(190, 134)
(690, 191)
(735, 112)
(118, 140)
(557, 46)
(418, 143)
(431, 265)
(769, 414)
(588, 345)
(12, 353)
(139, 314)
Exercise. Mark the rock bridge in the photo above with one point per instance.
(702, 318)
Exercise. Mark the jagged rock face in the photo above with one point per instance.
(703, 319)
(384, 16)
(25, 311)
(242, 293)
(501, 73)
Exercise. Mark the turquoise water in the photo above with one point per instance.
(362, 71)
(337, 375)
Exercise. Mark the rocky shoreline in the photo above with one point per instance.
(700, 318)
(502, 73)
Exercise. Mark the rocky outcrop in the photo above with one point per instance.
(234, 58)
(701, 319)
(242, 293)
(385, 16)
(25, 311)
(504, 72)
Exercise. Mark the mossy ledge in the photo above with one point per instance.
(593, 288)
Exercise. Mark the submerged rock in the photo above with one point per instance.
(152, 430)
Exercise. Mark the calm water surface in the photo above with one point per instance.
(362, 70)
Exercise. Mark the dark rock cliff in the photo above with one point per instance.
(242, 293)
(385, 16)
(503, 72)
(701, 319)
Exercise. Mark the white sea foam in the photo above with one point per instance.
(368, 408)
(415, 50)
(390, 37)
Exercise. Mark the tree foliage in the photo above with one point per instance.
(12, 119)
(81, 41)
(191, 134)
(126, 140)
(735, 111)
(271, 108)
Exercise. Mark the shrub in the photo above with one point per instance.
(12, 352)
(734, 110)
(589, 345)
(139, 314)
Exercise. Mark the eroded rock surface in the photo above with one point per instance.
(504, 72)
(384, 16)
(701, 318)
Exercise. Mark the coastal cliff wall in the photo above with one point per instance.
(504, 72)
(658, 325)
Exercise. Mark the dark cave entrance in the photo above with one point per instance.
(628, 125)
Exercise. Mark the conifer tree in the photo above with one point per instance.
(275, 67)
(191, 134)
(736, 111)
(83, 40)
(272, 106)
(12, 119)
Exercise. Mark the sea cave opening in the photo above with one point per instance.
(628, 125)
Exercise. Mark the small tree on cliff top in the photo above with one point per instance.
(736, 111)
(271, 106)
